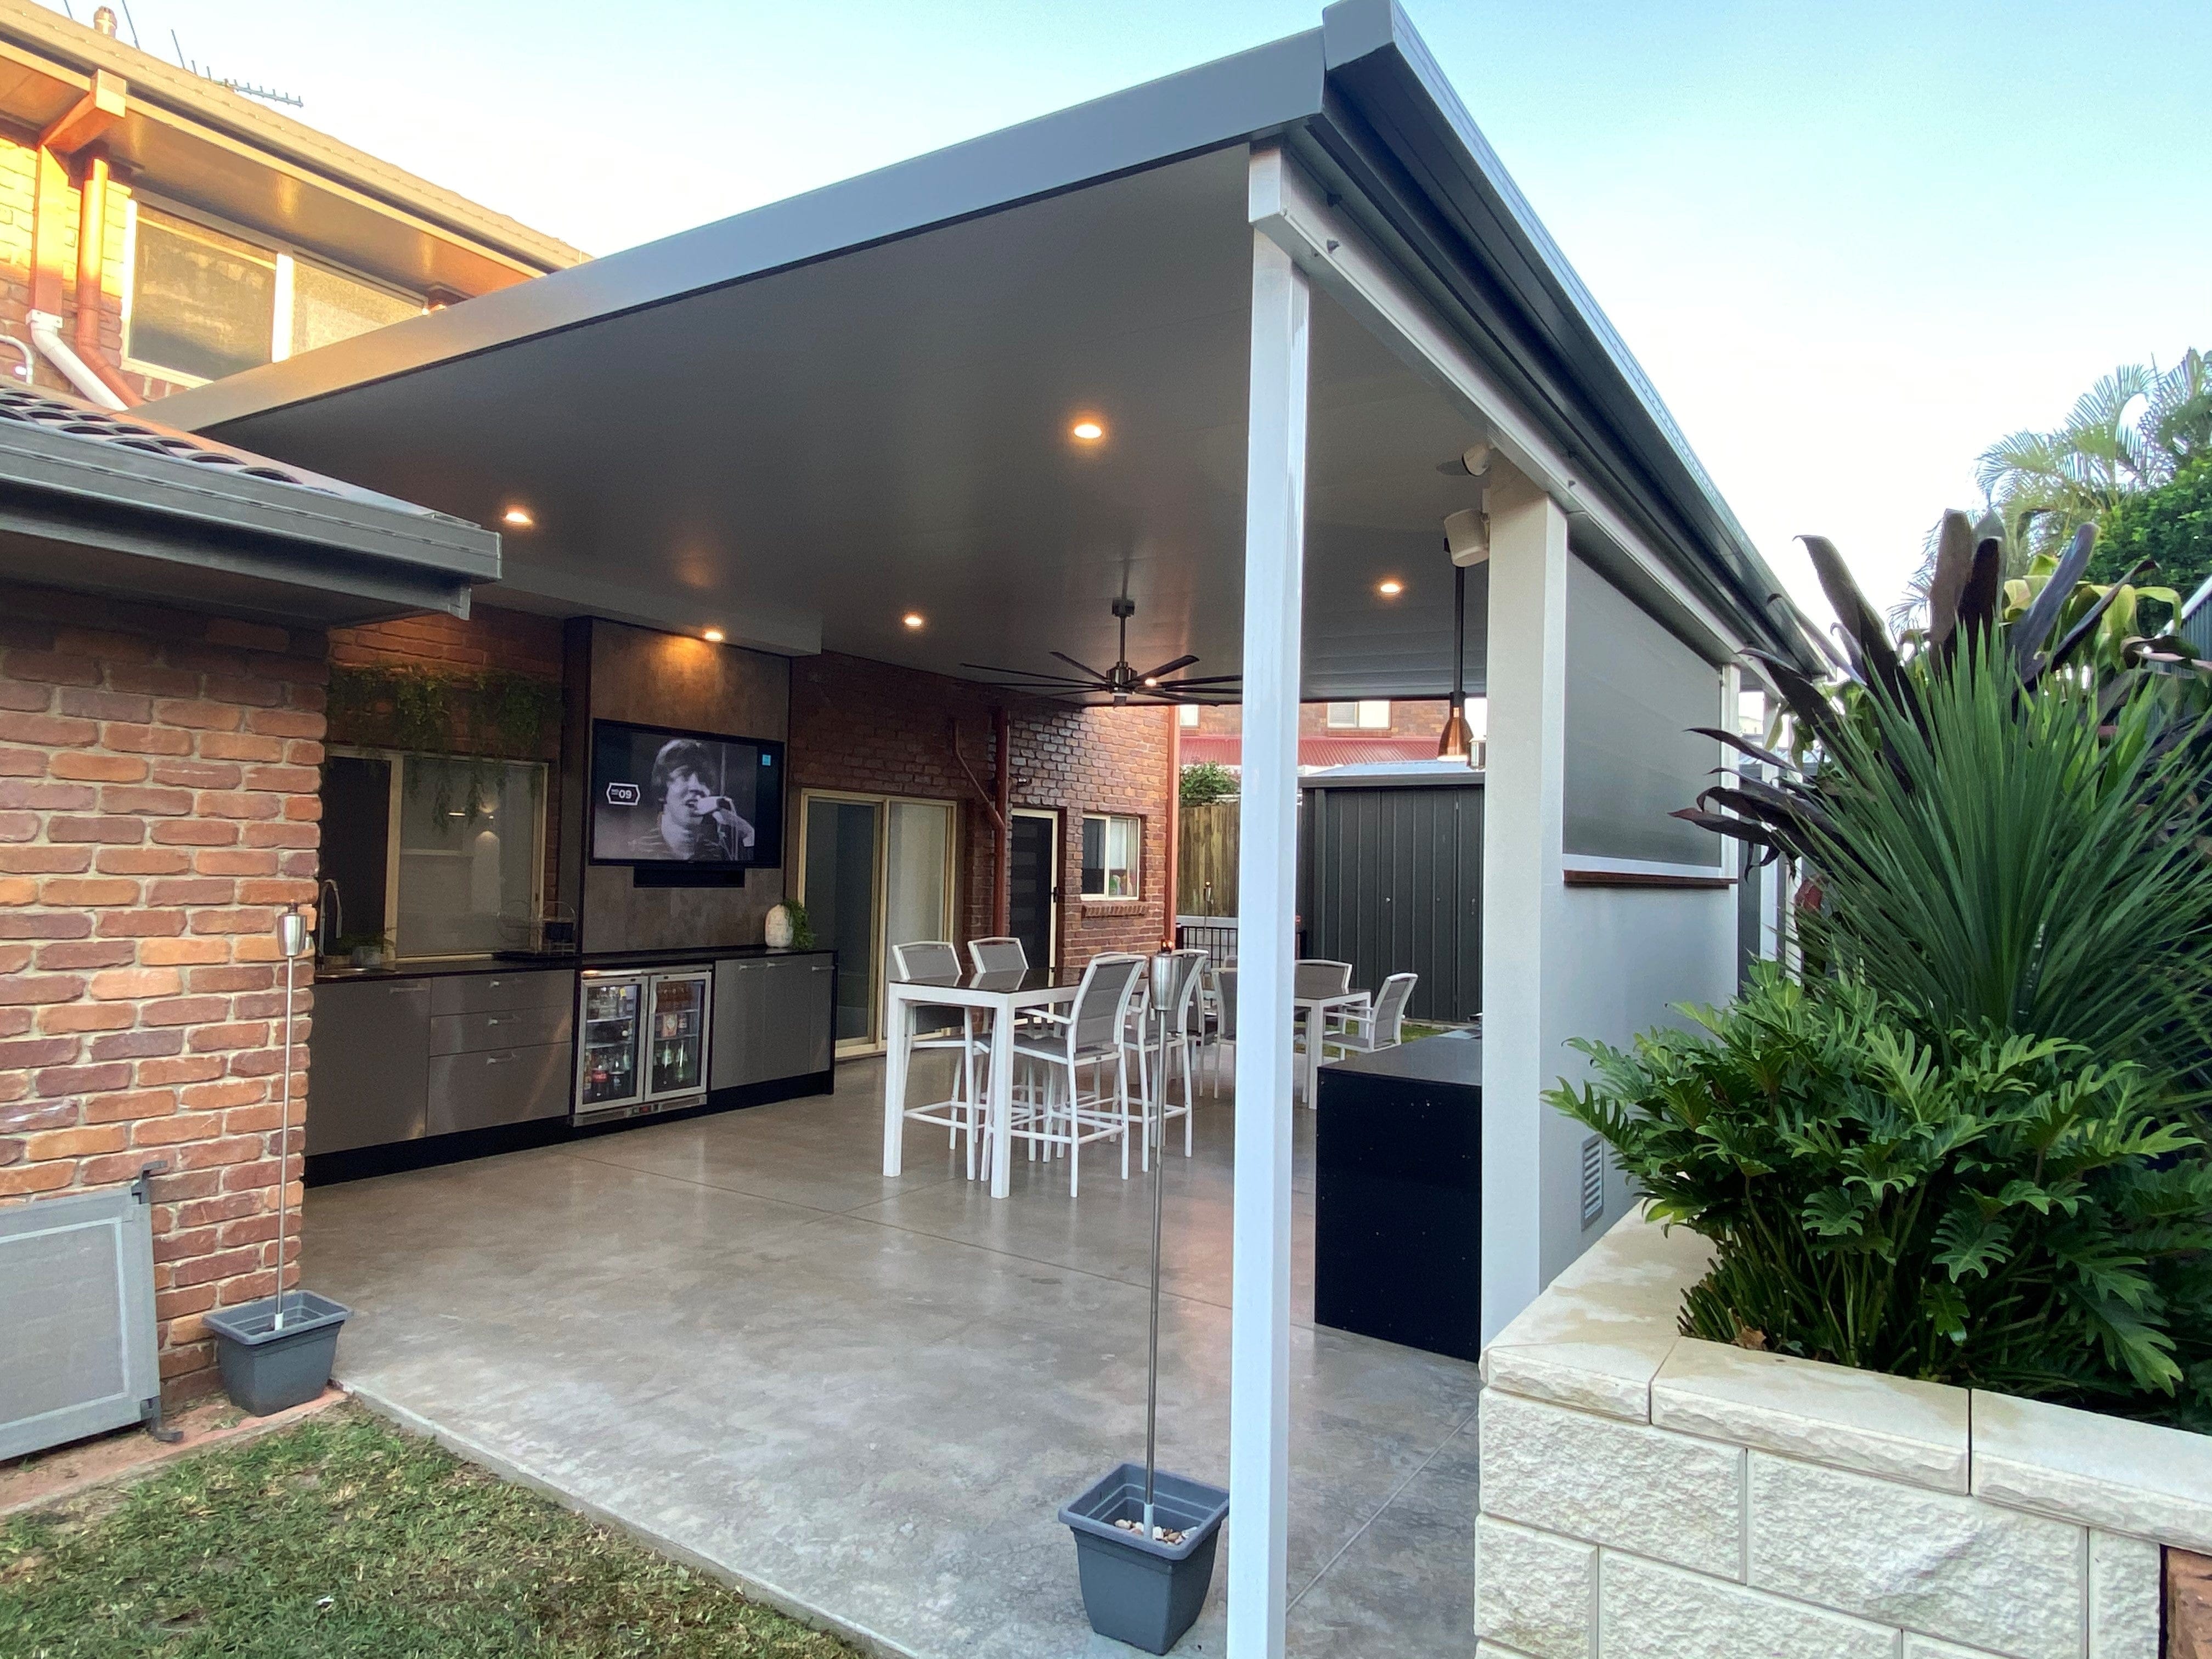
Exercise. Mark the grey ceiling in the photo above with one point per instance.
(886, 430)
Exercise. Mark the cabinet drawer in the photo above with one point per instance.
(509, 1028)
(486, 993)
(498, 1085)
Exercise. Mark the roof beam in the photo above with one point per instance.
(1287, 208)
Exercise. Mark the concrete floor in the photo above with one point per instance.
(868, 1398)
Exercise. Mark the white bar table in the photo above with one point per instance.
(1315, 1010)
(1003, 995)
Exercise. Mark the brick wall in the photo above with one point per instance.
(18, 178)
(874, 728)
(1421, 718)
(158, 806)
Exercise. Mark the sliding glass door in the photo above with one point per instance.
(875, 870)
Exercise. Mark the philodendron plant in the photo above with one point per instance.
(2004, 1211)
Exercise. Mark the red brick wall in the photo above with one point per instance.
(1417, 718)
(159, 774)
(872, 728)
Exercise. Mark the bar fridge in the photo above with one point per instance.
(642, 1042)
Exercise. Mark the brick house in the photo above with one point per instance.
(162, 726)
(1340, 733)
(222, 234)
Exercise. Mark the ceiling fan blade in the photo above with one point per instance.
(1167, 668)
(1102, 679)
(1207, 680)
(1022, 673)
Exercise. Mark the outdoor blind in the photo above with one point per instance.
(1633, 691)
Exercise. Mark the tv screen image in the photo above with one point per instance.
(660, 796)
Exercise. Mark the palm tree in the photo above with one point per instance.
(2124, 435)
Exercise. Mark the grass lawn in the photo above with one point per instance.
(343, 1539)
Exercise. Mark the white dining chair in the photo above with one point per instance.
(1088, 1036)
(1366, 1031)
(1161, 1046)
(944, 1027)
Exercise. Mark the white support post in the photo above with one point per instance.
(1260, 1317)
(1523, 881)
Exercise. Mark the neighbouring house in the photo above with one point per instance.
(1359, 731)
(164, 230)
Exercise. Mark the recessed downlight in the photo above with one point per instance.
(712, 635)
(913, 619)
(1087, 430)
(517, 518)
(1390, 588)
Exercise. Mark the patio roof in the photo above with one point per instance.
(799, 423)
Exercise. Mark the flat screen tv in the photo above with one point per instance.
(690, 799)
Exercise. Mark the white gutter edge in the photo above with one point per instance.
(47, 334)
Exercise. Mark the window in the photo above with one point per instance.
(202, 303)
(435, 855)
(1187, 717)
(1111, 848)
(1370, 716)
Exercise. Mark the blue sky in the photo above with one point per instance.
(1853, 244)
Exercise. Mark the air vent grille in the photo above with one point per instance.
(1593, 1181)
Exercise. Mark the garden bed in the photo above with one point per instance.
(1644, 1492)
(345, 1537)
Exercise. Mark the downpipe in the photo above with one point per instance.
(46, 335)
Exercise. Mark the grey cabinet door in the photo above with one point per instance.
(773, 1019)
(368, 1064)
(493, 1086)
(801, 997)
(738, 1051)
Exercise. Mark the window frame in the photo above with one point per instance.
(1136, 869)
(282, 253)
(399, 759)
(1186, 716)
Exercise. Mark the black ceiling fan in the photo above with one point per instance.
(1120, 684)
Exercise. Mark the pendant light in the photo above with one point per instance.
(1457, 742)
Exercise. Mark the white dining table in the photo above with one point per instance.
(1315, 1010)
(1004, 995)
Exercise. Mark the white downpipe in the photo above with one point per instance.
(46, 335)
(1260, 1297)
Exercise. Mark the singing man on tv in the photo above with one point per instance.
(698, 825)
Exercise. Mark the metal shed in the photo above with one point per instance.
(1390, 878)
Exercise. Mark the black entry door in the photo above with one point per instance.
(1035, 878)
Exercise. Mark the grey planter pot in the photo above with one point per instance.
(1135, 1589)
(265, 1370)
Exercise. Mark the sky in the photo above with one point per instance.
(1852, 244)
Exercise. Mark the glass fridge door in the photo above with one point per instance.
(677, 1040)
(607, 1069)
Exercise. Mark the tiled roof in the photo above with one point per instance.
(52, 412)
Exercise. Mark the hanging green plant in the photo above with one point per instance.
(450, 711)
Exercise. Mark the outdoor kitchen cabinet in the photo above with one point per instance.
(773, 1018)
(370, 1063)
(402, 1057)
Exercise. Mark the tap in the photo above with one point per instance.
(329, 909)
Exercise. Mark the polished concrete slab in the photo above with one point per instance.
(869, 1397)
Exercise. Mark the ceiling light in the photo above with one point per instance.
(519, 517)
(1390, 587)
(713, 636)
(1087, 431)
(912, 619)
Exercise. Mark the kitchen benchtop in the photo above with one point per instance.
(1447, 1058)
(523, 961)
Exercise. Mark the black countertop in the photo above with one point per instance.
(1446, 1058)
(525, 962)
